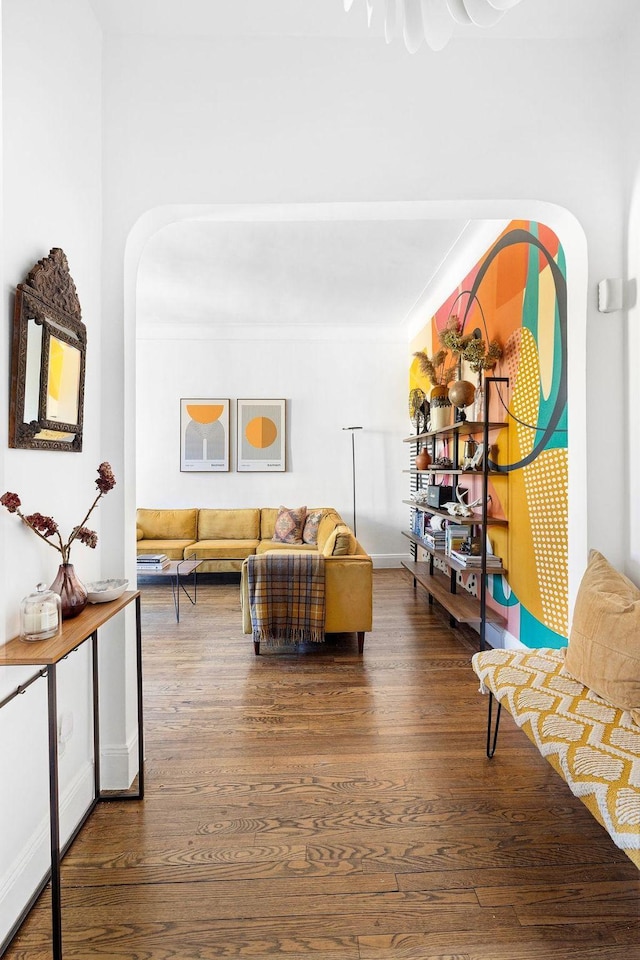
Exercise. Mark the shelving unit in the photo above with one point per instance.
(441, 586)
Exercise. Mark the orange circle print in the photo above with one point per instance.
(204, 412)
(261, 432)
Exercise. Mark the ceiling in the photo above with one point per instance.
(313, 275)
(302, 274)
(542, 19)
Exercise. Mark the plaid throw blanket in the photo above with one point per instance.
(286, 597)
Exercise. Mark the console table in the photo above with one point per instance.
(47, 654)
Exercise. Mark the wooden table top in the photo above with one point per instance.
(18, 652)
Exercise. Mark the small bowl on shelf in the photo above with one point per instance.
(102, 591)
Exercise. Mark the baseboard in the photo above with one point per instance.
(386, 560)
(119, 765)
(22, 877)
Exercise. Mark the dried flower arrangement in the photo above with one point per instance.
(436, 368)
(480, 357)
(460, 346)
(45, 527)
(452, 337)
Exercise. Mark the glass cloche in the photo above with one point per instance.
(40, 615)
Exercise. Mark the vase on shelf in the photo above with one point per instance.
(441, 408)
(461, 395)
(423, 460)
(72, 593)
(479, 404)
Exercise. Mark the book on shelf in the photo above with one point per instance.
(456, 535)
(151, 558)
(434, 542)
(475, 561)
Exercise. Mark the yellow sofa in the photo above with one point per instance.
(226, 537)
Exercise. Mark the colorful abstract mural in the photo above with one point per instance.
(517, 294)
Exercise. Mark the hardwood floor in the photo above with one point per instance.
(315, 804)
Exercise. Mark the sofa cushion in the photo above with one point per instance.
(604, 643)
(267, 546)
(311, 524)
(167, 524)
(326, 527)
(174, 549)
(231, 549)
(268, 516)
(289, 524)
(340, 542)
(229, 524)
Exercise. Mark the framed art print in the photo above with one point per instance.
(261, 435)
(204, 435)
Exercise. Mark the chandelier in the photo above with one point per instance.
(432, 20)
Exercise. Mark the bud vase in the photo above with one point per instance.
(73, 596)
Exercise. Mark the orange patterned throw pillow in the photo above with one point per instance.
(311, 524)
(289, 525)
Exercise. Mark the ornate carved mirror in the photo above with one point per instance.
(48, 360)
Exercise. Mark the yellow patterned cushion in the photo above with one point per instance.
(594, 746)
(604, 644)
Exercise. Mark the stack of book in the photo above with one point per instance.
(475, 562)
(434, 538)
(456, 535)
(152, 561)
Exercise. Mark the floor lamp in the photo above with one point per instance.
(353, 472)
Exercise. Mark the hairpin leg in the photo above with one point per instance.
(491, 743)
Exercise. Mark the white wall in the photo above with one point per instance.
(51, 197)
(630, 325)
(327, 386)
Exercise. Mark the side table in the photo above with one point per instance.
(47, 654)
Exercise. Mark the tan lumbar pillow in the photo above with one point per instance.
(340, 543)
(604, 644)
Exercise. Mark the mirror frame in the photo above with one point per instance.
(49, 297)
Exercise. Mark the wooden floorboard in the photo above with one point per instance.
(311, 803)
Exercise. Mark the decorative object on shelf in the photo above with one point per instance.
(103, 591)
(443, 463)
(418, 409)
(47, 360)
(433, 21)
(72, 593)
(423, 460)
(441, 411)
(477, 459)
(458, 508)
(468, 453)
(46, 527)
(479, 404)
(461, 395)
(438, 369)
(438, 494)
(481, 358)
(40, 614)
